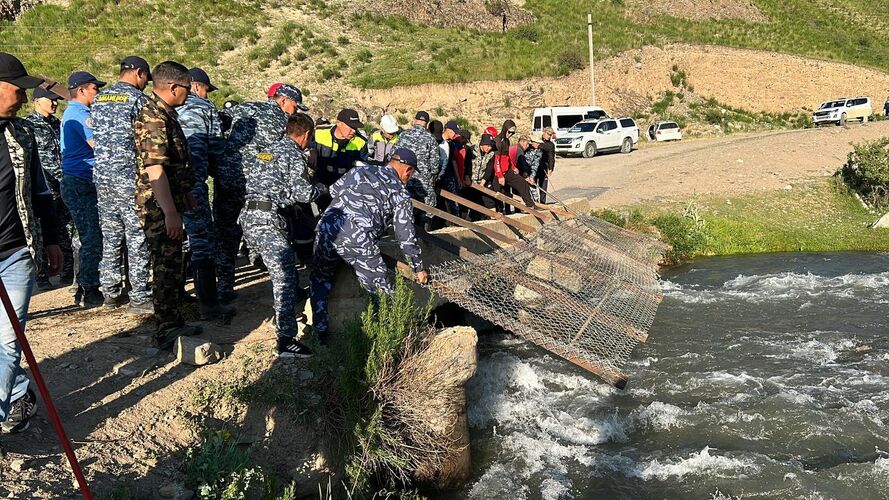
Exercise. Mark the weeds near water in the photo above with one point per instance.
(866, 172)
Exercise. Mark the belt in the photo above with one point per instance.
(265, 206)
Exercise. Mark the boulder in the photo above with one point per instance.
(882, 222)
(443, 368)
(197, 352)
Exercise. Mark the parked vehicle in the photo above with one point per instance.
(590, 137)
(664, 131)
(841, 110)
(561, 118)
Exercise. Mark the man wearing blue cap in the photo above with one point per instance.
(276, 181)
(46, 131)
(254, 127)
(113, 113)
(364, 201)
(78, 187)
(202, 126)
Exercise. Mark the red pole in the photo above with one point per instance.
(44, 393)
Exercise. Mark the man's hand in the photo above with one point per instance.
(55, 259)
(501, 181)
(423, 277)
(190, 202)
(173, 223)
(467, 181)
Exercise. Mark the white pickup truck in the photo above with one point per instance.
(589, 137)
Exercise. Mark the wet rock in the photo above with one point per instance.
(450, 359)
(171, 490)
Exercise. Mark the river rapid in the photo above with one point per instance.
(764, 376)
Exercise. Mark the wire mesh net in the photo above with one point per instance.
(581, 288)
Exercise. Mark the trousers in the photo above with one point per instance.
(18, 274)
(120, 225)
(80, 197)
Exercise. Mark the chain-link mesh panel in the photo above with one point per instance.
(581, 288)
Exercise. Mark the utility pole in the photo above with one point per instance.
(589, 28)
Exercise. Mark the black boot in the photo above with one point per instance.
(205, 286)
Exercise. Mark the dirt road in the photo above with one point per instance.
(729, 166)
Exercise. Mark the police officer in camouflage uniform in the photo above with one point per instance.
(163, 192)
(113, 112)
(424, 146)
(254, 127)
(46, 131)
(203, 128)
(276, 181)
(366, 202)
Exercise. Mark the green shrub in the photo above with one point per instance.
(364, 56)
(866, 172)
(570, 60)
(464, 124)
(686, 233)
(526, 32)
(343, 40)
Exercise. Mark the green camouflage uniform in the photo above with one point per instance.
(160, 141)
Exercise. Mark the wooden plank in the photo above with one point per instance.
(490, 233)
(517, 204)
(521, 226)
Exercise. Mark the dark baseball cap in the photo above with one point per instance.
(136, 62)
(422, 115)
(13, 71)
(350, 118)
(79, 78)
(465, 135)
(201, 76)
(487, 140)
(39, 92)
(292, 93)
(405, 156)
(452, 125)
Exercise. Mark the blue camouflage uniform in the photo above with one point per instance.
(532, 159)
(113, 114)
(422, 184)
(366, 201)
(202, 126)
(46, 131)
(255, 126)
(276, 180)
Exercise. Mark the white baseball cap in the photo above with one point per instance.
(388, 124)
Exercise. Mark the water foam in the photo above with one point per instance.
(782, 286)
(698, 463)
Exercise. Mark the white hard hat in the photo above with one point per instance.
(388, 124)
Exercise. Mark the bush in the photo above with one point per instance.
(687, 233)
(526, 32)
(866, 172)
(570, 60)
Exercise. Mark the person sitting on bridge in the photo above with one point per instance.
(365, 202)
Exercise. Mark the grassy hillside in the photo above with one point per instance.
(323, 40)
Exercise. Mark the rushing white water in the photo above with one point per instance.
(764, 376)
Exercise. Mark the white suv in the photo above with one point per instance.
(589, 137)
(840, 110)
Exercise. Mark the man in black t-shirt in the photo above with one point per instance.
(26, 206)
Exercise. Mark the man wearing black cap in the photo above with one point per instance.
(78, 188)
(113, 113)
(254, 126)
(366, 202)
(202, 126)
(24, 199)
(46, 130)
(424, 146)
(337, 149)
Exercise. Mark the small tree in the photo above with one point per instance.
(866, 172)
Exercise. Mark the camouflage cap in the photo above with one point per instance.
(292, 93)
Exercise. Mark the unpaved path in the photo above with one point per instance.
(724, 166)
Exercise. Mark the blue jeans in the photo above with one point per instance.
(18, 273)
(79, 196)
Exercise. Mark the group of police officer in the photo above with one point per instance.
(290, 191)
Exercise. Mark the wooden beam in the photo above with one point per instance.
(490, 233)
(521, 226)
(507, 199)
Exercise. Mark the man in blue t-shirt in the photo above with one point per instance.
(78, 190)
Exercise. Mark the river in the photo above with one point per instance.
(764, 376)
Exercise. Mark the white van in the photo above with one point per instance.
(561, 118)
